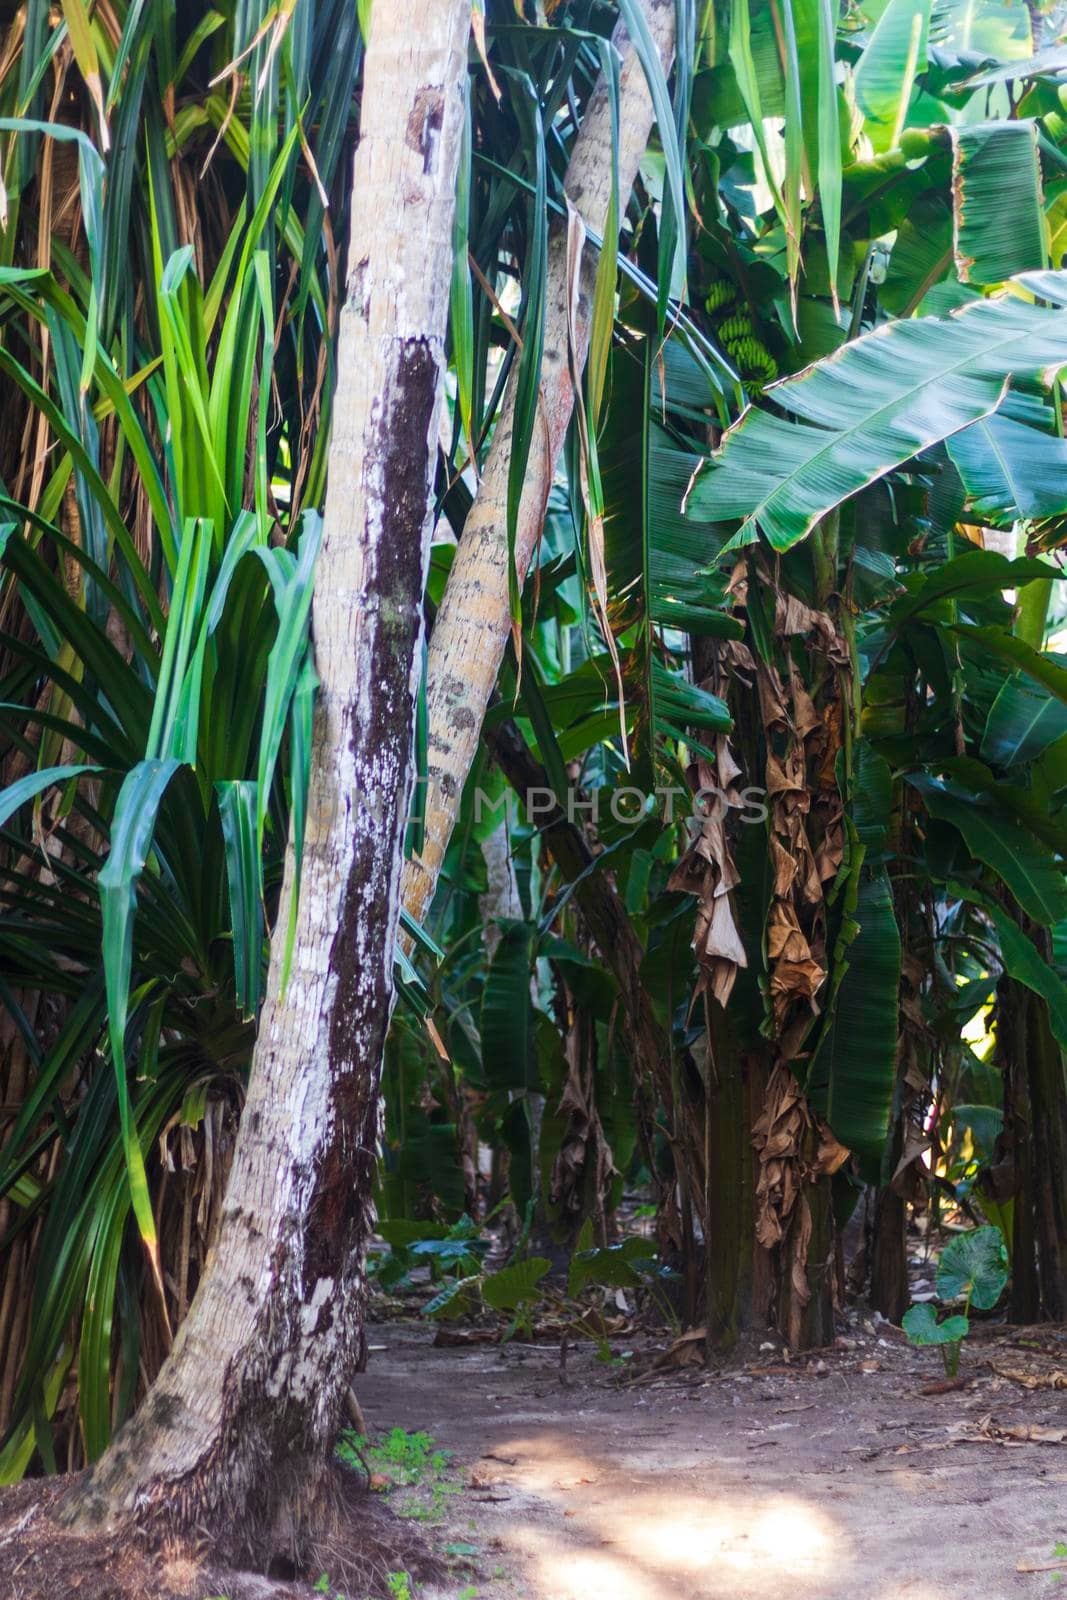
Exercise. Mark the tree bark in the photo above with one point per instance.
(1016, 1150)
(1048, 1106)
(889, 1266)
(736, 1269)
(236, 1433)
(473, 623)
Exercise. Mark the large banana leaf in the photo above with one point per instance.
(1010, 471)
(1045, 667)
(1023, 962)
(993, 240)
(886, 73)
(657, 557)
(970, 577)
(507, 1016)
(660, 562)
(976, 30)
(871, 406)
(816, 22)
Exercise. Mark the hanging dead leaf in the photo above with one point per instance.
(907, 1174)
(831, 1154)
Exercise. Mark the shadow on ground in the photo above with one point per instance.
(831, 1479)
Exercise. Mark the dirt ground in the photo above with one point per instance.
(834, 1477)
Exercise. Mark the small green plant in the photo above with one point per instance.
(974, 1269)
(324, 1586)
(1059, 1553)
(399, 1585)
(407, 1461)
(405, 1458)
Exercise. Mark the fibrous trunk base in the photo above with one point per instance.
(345, 1531)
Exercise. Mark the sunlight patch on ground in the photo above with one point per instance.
(547, 1465)
(629, 1540)
(689, 1534)
(567, 1574)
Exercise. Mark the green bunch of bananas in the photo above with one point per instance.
(737, 336)
(719, 296)
(755, 365)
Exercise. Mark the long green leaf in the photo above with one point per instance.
(1010, 471)
(461, 316)
(1024, 963)
(16, 794)
(1027, 868)
(237, 805)
(293, 602)
(1023, 720)
(528, 378)
(132, 828)
(886, 72)
(851, 1076)
(507, 1020)
(673, 279)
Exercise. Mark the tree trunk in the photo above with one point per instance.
(889, 1241)
(1048, 1110)
(473, 623)
(889, 1264)
(1013, 1003)
(736, 1271)
(236, 1433)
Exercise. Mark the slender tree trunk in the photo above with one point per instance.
(736, 1269)
(236, 1432)
(473, 623)
(889, 1235)
(1013, 1003)
(1048, 1107)
(889, 1265)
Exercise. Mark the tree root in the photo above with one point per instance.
(357, 1543)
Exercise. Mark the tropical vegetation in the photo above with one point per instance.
(749, 894)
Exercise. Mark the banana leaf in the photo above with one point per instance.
(872, 406)
(851, 1076)
(993, 240)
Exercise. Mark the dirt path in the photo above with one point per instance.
(835, 1479)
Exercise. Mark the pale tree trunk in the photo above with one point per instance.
(501, 900)
(236, 1433)
(472, 624)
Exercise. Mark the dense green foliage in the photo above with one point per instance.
(821, 468)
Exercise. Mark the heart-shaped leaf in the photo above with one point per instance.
(922, 1327)
(511, 1286)
(975, 1266)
